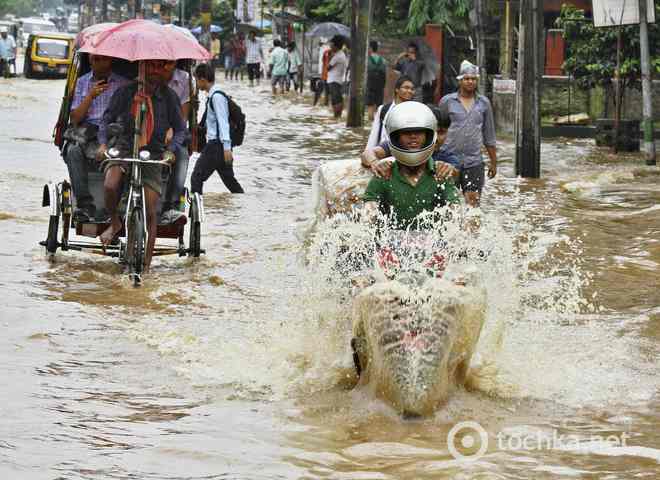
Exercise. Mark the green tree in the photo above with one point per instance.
(444, 12)
(591, 53)
(393, 17)
(20, 8)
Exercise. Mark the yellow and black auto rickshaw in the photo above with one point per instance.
(48, 54)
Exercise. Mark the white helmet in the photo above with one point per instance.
(409, 116)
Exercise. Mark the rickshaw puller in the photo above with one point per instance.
(163, 113)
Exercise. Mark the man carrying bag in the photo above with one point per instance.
(217, 154)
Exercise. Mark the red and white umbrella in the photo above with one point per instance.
(86, 34)
(144, 40)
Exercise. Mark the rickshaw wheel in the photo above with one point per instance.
(135, 246)
(195, 239)
(51, 240)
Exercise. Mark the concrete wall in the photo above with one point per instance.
(632, 104)
(557, 92)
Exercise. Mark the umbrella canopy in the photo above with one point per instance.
(427, 56)
(214, 29)
(183, 30)
(144, 40)
(87, 33)
(248, 27)
(329, 29)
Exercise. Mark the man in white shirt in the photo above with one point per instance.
(336, 75)
(7, 52)
(254, 56)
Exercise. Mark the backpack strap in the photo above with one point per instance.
(209, 102)
(383, 112)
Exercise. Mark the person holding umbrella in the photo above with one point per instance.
(409, 64)
(151, 104)
(163, 113)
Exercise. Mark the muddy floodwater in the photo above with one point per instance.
(232, 367)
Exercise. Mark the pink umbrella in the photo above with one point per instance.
(144, 40)
(86, 34)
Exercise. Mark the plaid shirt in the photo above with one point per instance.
(254, 53)
(99, 104)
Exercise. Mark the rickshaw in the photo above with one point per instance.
(131, 242)
(48, 54)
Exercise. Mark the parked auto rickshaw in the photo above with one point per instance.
(48, 54)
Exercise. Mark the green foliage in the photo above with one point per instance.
(20, 8)
(326, 10)
(444, 12)
(392, 17)
(591, 52)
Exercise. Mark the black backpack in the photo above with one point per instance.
(236, 120)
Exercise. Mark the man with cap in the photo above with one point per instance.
(472, 125)
(7, 51)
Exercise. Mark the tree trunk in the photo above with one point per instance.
(360, 24)
(104, 10)
(481, 46)
(648, 144)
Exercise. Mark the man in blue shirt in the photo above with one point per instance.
(217, 154)
(91, 98)
(472, 126)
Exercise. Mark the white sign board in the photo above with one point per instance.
(504, 86)
(610, 13)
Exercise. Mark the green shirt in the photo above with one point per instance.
(397, 197)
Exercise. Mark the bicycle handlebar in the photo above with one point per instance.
(135, 160)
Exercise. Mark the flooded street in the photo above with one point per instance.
(231, 367)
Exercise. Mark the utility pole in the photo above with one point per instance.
(528, 89)
(648, 145)
(507, 64)
(360, 25)
(481, 45)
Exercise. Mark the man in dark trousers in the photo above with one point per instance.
(472, 126)
(217, 154)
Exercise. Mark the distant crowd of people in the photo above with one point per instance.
(241, 56)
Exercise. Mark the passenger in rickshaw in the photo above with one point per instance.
(179, 81)
(90, 99)
(163, 113)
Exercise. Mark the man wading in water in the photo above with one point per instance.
(472, 126)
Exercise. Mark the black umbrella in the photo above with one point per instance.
(329, 29)
(427, 56)
(247, 28)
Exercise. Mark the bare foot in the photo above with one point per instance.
(110, 233)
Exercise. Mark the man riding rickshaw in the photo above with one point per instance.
(117, 135)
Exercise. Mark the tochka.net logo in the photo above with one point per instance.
(470, 441)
